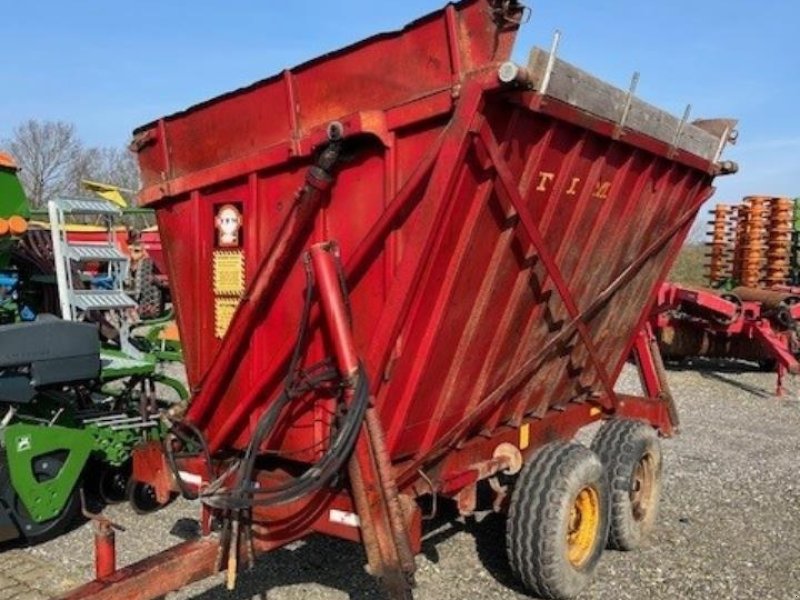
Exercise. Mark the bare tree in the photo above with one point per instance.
(53, 161)
(48, 153)
(108, 165)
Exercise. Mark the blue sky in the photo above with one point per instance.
(110, 66)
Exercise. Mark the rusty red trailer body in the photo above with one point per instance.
(502, 231)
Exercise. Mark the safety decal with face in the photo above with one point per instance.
(228, 223)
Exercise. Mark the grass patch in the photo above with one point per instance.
(689, 268)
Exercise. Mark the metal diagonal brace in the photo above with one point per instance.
(491, 401)
(486, 137)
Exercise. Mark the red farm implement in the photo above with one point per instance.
(407, 268)
(748, 324)
(753, 311)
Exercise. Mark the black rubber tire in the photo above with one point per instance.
(623, 445)
(112, 485)
(31, 531)
(539, 519)
(142, 498)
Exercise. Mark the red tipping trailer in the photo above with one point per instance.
(410, 267)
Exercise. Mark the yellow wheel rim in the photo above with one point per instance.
(584, 522)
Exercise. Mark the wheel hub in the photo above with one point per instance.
(584, 521)
(642, 487)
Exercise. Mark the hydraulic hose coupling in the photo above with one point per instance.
(320, 176)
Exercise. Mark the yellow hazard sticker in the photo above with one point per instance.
(228, 283)
(224, 309)
(228, 275)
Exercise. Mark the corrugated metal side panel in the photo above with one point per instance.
(487, 304)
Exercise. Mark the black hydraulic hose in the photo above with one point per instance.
(266, 423)
(264, 426)
(338, 452)
(292, 389)
(244, 494)
(302, 329)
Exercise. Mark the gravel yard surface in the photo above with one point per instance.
(729, 524)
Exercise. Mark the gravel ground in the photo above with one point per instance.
(729, 524)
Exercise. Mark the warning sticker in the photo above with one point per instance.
(344, 518)
(228, 282)
(228, 276)
(228, 222)
(224, 309)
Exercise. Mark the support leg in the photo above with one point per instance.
(653, 375)
(780, 372)
(383, 525)
(105, 551)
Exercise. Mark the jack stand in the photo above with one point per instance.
(105, 548)
(779, 389)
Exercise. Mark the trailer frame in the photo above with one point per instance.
(627, 141)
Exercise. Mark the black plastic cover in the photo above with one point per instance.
(46, 352)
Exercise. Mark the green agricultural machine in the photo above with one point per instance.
(14, 209)
(14, 215)
(71, 409)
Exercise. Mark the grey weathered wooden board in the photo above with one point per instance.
(578, 88)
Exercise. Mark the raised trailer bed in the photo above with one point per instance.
(407, 268)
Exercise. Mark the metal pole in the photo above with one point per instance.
(551, 62)
(333, 307)
(56, 233)
(105, 550)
